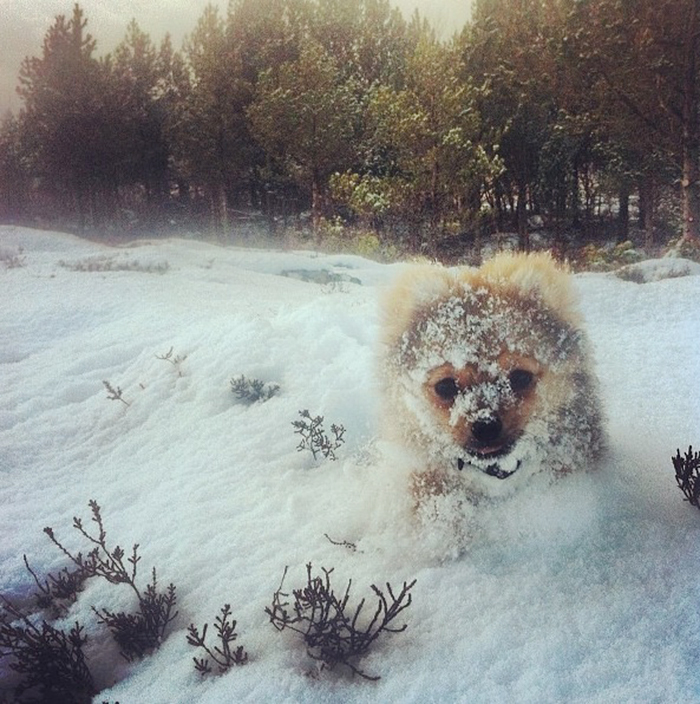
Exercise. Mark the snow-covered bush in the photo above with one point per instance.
(12, 259)
(683, 248)
(110, 263)
(609, 257)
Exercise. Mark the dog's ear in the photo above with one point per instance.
(415, 288)
(536, 276)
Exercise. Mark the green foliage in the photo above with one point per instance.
(607, 258)
(334, 633)
(685, 248)
(344, 109)
(314, 437)
(425, 136)
(303, 116)
(213, 140)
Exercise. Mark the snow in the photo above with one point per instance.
(585, 592)
(651, 270)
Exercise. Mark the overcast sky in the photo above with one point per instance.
(23, 24)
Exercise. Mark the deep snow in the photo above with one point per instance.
(588, 591)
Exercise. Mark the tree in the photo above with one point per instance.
(304, 116)
(14, 171)
(367, 38)
(507, 52)
(421, 162)
(72, 116)
(645, 54)
(138, 76)
(213, 137)
(267, 33)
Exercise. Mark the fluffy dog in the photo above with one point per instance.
(486, 375)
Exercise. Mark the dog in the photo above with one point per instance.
(486, 376)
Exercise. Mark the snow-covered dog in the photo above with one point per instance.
(487, 377)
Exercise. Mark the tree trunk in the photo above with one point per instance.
(223, 212)
(646, 209)
(690, 183)
(315, 201)
(523, 235)
(623, 218)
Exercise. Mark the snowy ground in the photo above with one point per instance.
(589, 592)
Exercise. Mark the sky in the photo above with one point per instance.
(23, 24)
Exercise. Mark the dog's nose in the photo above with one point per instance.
(486, 431)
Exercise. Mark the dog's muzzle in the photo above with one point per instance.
(492, 469)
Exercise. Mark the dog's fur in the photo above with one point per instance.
(486, 375)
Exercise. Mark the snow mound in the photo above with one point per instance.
(651, 270)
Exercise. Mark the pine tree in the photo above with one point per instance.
(137, 75)
(213, 138)
(69, 114)
(304, 116)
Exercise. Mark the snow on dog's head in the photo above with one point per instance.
(486, 374)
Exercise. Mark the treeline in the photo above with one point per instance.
(575, 114)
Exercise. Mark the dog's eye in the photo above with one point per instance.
(520, 380)
(446, 388)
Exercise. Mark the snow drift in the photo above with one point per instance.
(588, 592)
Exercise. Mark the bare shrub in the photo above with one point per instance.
(223, 655)
(334, 633)
(175, 360)
(139, 633)
(314, 437)
(50, 661)
(687, 469)
(115, 394)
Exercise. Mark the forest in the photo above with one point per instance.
(341, 116)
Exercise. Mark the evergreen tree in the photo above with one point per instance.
(138, 77)
(421, 164)
(14, 170)
(212, 133)
(304, 116)
(69, 114)
(644, 57)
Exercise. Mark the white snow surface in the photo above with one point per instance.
(585, 591)
(651, 270)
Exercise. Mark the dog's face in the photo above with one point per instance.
(483, 377)
(485, 410)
